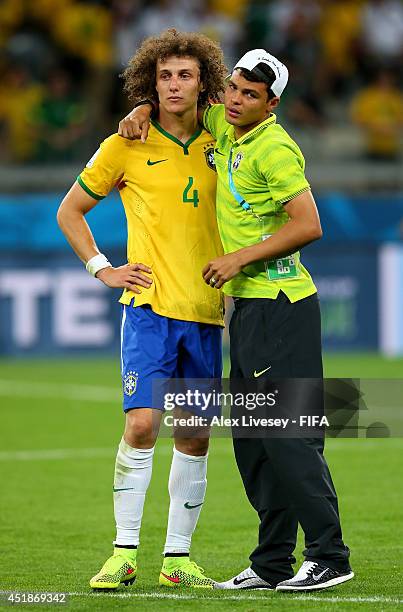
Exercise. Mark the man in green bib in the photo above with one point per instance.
(266, 213)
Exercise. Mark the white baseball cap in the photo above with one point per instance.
(251, 59)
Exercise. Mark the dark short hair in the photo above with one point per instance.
(269, 77)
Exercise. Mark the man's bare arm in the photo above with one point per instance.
(302, 228)
(71, 219)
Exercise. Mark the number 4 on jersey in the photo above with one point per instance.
(195, 193)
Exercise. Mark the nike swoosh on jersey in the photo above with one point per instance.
(152, 163)
(189, 507)
(257, 374)
(219, 152)
(127, 489)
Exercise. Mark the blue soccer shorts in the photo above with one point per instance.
(156, 347)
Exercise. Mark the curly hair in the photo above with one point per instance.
(140, 75)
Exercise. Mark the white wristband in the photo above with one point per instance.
(97, 263)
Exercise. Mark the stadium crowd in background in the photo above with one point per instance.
(60, 62)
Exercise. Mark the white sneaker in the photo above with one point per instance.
(248, 579)
(313, 576)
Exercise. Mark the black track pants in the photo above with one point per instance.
(286, 480)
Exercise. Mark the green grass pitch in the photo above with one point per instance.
(60, 424)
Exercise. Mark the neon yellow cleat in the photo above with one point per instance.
(181, 572)
(120, 568)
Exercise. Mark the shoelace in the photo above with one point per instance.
(197, 567)
(308, 570)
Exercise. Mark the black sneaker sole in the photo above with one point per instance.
(317, 587)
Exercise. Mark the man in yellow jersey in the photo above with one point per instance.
(266, 213)
(172, 321)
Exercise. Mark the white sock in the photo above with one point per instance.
(187, 488)
(133, 470)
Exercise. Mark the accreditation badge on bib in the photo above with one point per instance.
(283, 268)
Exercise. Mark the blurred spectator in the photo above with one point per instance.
(339, 34)
(19, 96)
(31, 49)
(59, 121)
(267, 23)
(11, 15)
(133, 24)
(85, 30)
(45, 11)
(223, 28)
(162, 14)
(235, 10)
(382, 30)
(287, 28)
(302, 54)
(286, 13)
(128, 29)
(330, 48)
(378, 110)
(257, 25)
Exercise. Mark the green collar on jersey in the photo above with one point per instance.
(252, 133)
(185, 145)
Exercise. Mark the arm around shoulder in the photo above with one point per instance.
(213, 119)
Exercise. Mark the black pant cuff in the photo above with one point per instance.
(335, 565)
(272, 579)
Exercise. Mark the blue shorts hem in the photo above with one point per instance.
(127, 408)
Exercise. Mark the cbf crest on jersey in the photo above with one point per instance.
(209, 155)
(130, 383)
(237, 161)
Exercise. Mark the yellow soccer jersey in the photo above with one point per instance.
(168, 192)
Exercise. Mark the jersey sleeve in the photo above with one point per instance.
(105, 169)
(214, 120)
(283, 168)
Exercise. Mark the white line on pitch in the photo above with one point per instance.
(87, 393)
(56, 453)
(83, 453)
(244, 596)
